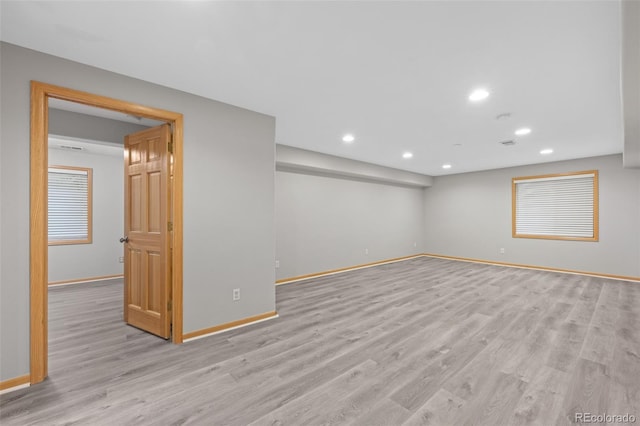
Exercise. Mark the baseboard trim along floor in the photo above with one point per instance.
(205, 332)
(346, 269)
(539, 268)
(15, 384)
(462, 259)
(86, 280)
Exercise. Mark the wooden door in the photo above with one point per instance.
(147, 278)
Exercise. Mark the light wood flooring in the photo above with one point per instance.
(420, 342)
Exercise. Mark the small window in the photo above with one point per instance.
(69, 205)
(562, 206)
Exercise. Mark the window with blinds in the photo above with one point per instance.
(563, 206)
(69, 205)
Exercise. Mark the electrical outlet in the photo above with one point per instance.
(366, 251)
(501, 250)
(121, 259)
(277, 263)
(236, 294)
(415, 244)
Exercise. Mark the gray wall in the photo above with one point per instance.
(325, 223)
(82, 126)
(100, 258)
(630, 12)
(228, 197)
(469, 215)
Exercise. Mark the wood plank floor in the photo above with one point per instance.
(420, 342)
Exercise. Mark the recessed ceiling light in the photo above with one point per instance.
(546, 151)
(348, 138)
(523, 131)
(446, 166)
(407, 155)
(478, 95)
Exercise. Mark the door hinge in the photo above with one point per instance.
(169, 226)
(170, 145)
(169, 305)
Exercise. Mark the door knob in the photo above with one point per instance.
(124, 240)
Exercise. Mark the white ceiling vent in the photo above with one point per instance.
(85, 146)
(71, 148)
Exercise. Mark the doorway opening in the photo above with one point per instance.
(41, 93)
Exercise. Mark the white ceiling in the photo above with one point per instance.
(395, 74)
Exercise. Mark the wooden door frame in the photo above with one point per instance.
(40, 94)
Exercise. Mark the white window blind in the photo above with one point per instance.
(69, 205)
(559, 206)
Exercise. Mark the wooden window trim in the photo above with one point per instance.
(89, 239)
(596, 214)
